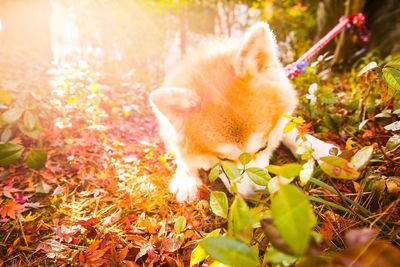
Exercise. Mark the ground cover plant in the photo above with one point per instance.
(84, 175)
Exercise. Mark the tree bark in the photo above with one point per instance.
(346, 46)
(382, 21)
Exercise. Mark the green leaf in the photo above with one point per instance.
(395, 126)
(198, 253)
(219, 203)
(394, 63)
(258, 175)
(299, 120)
(306, 172)
(393, 143)
(240, 220)
(289, 127)
(274, 169)
(29, 120)
(277, 257)
(305, 150)
(328, 98)
(43, 187)
(392, 77)
(293, 217)
(12, 115)
(37, 159)
(6, 134)
(231, 170)
(34, 134)
(230, 251)
(10, 153)
(289, 171)
(361, 158)
(387, 113)
(367, 68)
(245, 158)
(362, 124)
(214, 172)
(275, 183)
(180, 224)
(217, 264)
(337, 167)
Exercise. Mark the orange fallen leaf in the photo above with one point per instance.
(10, 209)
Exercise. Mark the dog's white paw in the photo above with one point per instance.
(184, 187)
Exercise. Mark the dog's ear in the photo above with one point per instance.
(175, 103)
(257, 51)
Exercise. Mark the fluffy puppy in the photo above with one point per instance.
(225, 98)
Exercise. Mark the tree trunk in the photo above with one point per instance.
(346, 46)
(383, 23)
(26, 28)
(383, 20)
(328, 14)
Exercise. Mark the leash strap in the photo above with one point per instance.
(345, 22)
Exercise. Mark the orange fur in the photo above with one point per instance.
(219, 96)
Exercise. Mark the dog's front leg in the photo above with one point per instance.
(320, 148)
(185, 183)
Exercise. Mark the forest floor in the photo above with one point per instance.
(101, 197)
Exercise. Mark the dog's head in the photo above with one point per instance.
(224, 99)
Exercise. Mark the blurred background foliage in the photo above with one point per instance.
(74, 79)
(146, 37)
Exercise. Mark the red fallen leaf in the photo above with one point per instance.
(56, 169)
(88, 224)
(65, 233)
(10, 209)
(356, 237)
(8, 190)
(123, 253)
(327, 230)
(344, 187)
(372, 254)
(81, 258)
(153, 257)
(129, 264)
(170, 245)
(144, 249)
(12, 169)
(127, 222)
(126, 200)
(48, 176)
(94, 255)
(21, 199)
(50, 246)
(175, 262)
(202, 193)
(32, 205)
(368, 134)
(60, 190)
